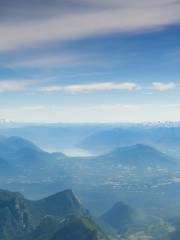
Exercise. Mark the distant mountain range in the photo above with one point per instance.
(51, 137)
(164, 138)
(97, 138)
(138, 155)
(62, 216)
(4, 123)
(125, 172)
(20, 156)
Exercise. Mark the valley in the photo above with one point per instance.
(139, 175)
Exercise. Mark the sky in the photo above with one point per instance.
(89, 60)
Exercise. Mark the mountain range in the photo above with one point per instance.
(70, 228)
(60, 216)
(23, 156)
(98, 138)
(52, 137)
(164, 138)
(19, 156)
(138, 155)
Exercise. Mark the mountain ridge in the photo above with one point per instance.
(138, 154)
(19, 216)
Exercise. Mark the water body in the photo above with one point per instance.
(76, 152)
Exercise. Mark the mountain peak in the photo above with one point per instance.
(59, 205)
(119, 217)
(138, 155)
(5, 121)
(19, 143)
(137, 147)
(68, 194)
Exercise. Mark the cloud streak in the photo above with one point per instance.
(47, 62)
(159, 86)
(14, 85)
(123, 17)
(106, 86)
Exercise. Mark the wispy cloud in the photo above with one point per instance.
(160, 86)
(106, 86)
(14, 85)
(120, 16)
(132, 3)
(116, 107)
(39, 85)
(47, 62)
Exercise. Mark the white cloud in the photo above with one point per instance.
(51, 89)
(120, 16)
(106, 86)
(13, 85)
(160, 86)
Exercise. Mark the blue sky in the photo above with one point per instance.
(83, 61)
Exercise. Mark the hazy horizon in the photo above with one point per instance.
(10, 121)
